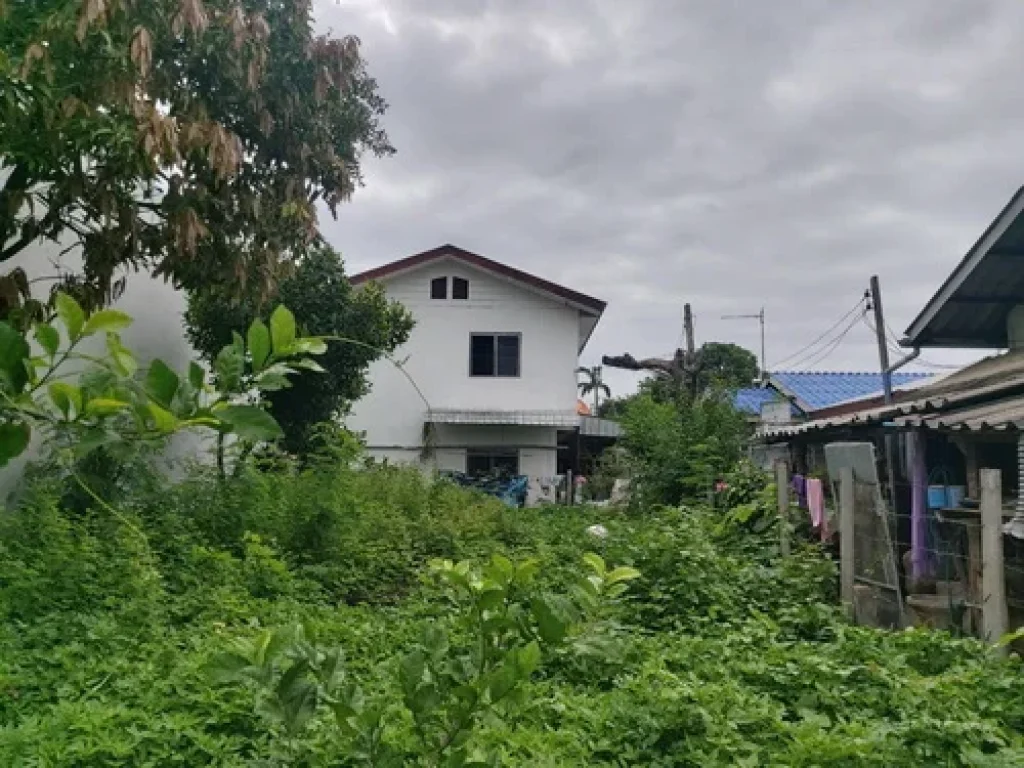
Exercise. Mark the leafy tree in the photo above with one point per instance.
(189, 138)
(593, 384)
(718, 366)
(726, 365)
(681, 446)
(325, 305)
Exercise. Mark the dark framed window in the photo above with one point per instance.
(494, 354)
(492, 461)
(439, 288)
(460, 288)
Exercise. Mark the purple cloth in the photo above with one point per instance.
(799, 485)
(920, 562)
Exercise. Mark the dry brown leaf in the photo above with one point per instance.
(258, 26)
(236, 23)
(194, 15)
(252, 78)
(91, 11)
(142, 50)
(190, 231)
(33, 53)
(70, 106)
(266, 122)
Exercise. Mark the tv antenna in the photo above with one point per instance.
(760, 318)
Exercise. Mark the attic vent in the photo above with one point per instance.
(1015, 328)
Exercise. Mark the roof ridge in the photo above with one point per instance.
(849, 373)
(594, 305)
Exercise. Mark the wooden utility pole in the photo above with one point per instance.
(847, 532)
(883, 344)
(993, 577)
(782, 492)
(688, 331)
(883, 362)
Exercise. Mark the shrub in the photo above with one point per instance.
(681, 446)
(720, 653)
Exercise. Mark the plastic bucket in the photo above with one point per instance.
(936, 497)
(955, 496)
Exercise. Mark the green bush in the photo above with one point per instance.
(680, 446)
(719, 654)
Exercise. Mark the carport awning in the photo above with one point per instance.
(591, 426)
(560, 419)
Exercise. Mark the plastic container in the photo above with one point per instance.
(937, 497)
(938, 485)
(955, 496)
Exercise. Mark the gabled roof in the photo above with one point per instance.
(583, 302)
(971, 307)
(813, 390)
(988, 394)
(750, 400)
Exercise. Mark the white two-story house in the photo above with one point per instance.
(493, 358)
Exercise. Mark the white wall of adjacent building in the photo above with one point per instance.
(437, 355)
(157, 331)
(437, 358)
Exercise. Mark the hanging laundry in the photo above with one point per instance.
(799, 486)
(816, 505)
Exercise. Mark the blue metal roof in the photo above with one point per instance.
(751, 399)
(821, 390)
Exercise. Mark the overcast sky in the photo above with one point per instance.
(730, 153)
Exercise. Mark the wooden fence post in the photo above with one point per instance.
(782, 491)
(993, 578)
(847, 510)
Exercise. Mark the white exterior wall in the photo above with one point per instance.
(157, 332)
(436, 358)
(537, 448)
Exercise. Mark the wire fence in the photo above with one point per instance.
(934, 568)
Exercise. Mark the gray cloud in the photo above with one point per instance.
(730, 154)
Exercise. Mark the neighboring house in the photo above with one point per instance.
(794, 397)
(975, 416)
(810, 393)
(488, 375)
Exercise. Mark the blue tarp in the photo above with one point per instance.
(511, 489)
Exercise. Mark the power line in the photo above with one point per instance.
(827, 332)
(816, 357)
(896, 349)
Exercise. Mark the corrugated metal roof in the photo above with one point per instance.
(1001, 415)
(566, 419)
(750, 399)
(970, 308)
(815, 390)
(591, 426)
(993, 379)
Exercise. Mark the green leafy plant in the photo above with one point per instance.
(366, 325)
(451, 680)
(721, 654)
(681, 446)
(111, 401)
(190, 138)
